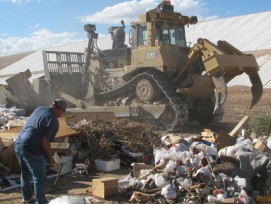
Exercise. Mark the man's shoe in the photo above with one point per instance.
(30, 201)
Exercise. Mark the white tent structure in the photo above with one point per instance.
(248, 33)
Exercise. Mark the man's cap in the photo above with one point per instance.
(60, 103)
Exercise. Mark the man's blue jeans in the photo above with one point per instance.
(32, 167)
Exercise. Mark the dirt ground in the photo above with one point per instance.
(73, 185)
(236, 106)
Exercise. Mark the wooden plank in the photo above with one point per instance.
(234, 133)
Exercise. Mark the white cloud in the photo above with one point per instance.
(130, 10)
(16, 1)
(127, 11)
(40, 39)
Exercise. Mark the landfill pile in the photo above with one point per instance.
(176, 167)
(185, 169)
(191, 170)
(10, 115)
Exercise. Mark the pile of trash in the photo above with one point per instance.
(10, 116)
(104, 139)
(184, 169)
(192, 170)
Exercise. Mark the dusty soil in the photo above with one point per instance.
(73, 185)
(236, 106)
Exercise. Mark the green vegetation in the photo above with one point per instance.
(260, 123)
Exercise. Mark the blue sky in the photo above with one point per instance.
(27, 25)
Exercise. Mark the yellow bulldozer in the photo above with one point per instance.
(159, 76)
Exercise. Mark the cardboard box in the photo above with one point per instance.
(259, 145)
(228, 200)
(224, 140)
(9, 159)
(104, 187)
(140, 166)
(266, 198)
(107, 165)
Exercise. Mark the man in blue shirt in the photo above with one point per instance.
(32, 144)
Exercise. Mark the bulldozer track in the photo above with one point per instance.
(173, 99)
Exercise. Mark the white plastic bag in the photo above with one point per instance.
(269, 142)
(67, 200)
(159, 153)
(196, 161)
(170, 167)
(244, 198)
(160, 181)
(184, 182)
(208, 150)
(169, 192)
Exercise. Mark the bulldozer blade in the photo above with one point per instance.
(220, 92)
(256, 88)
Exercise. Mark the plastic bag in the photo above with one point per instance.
(269, 142)
(244, 198)
(184, 182)
(208, 150)
(213, 199)
(228, 151)
(181, 147)
(160, 180)
(204, 175)
(196, 161)
(169, 192)
(67, 200)
(243, 183)
(159, 153)
(171, 166)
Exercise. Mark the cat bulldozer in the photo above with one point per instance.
(159, 76)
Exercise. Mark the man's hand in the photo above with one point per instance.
(51, 161)
(46, 146)
(57, 167)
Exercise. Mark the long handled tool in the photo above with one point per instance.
(57, 178)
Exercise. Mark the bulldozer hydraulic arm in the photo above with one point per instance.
(222, 63)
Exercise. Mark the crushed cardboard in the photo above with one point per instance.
(104, 187)
(8, 137)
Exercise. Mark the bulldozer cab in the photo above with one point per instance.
(169, 34)
(160, 26)
(158, 37)
(165, 33)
